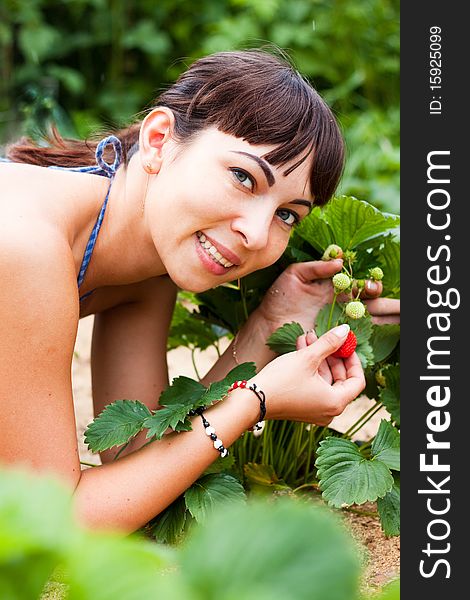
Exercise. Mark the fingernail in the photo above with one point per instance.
(341, 331)
(371, 286)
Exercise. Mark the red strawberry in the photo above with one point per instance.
(347, 348)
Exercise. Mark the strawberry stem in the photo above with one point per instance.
(330, 316)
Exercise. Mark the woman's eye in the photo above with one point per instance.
(289, 217)
(243, 178)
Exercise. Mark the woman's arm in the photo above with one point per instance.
(128, 356)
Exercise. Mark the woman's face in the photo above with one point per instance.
(218, 211)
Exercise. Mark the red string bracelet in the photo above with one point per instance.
(261, 397)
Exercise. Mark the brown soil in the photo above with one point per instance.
(380, 554)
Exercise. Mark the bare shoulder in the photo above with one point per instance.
(36, 265)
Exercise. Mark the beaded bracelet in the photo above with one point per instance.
(261, 397)
(210, 431)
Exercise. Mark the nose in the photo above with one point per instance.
(254, 227)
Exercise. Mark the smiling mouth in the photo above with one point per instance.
(212, 251)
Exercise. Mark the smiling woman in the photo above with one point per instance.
(204, 190)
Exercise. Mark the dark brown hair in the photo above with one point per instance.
(251, 94)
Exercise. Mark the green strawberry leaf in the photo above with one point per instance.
(221, 464)
(169, 416)
(389, 510)
(314, 230)
(183, 391)
(263, 475)
(210, 491)
(217, 390)
(346, 477)
(389, 261)
(116, 424)
(321, 324)
(383, 340)
(283, 340)
(390, 395)
(168, 526)
(354, 221)
(190, 331)
(386, 445)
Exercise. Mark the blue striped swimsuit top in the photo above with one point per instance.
(105, 170)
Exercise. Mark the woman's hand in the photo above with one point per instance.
(303, 289)
(309, 385)
(299, 293)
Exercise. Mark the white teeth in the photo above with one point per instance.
(212, 250)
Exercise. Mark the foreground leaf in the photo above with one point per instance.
(346, 477)
(284, 550)
(116, 424)
(284, 339)
(210, 491)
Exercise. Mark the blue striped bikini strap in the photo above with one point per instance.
(107, 170)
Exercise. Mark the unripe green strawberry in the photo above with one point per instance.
(355, 309)
(350, 256)
(341, 282)
(380, 378)
(333, 251)
(376, 273)
(347, 348)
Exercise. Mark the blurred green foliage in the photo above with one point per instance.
(93, 64)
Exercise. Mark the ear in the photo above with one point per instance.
(155, 131)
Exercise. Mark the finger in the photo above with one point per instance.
(350, 388)
(390, 320)
(383, 306)
(338, 370)
(317, 269)
(323, 369)
(328, 343)
(301, 342)
(372, 289)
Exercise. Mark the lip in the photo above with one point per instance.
(211, 265)
(228, 254)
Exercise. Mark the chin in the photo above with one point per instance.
(189, 283)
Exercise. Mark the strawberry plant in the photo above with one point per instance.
(285, 457)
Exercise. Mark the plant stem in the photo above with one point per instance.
(330, 316)
(366, 415)
(243, 298)
(87, 464)
(194, 363)
(311, 435)
(315, 486)
(122, 449)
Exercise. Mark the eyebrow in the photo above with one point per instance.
(270, 176)
(262, 163)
